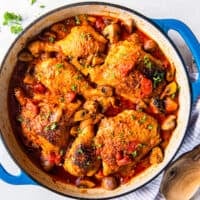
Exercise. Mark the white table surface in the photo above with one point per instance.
(185, 10)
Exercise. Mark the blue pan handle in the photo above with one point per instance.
(21, 179)
(191, 41)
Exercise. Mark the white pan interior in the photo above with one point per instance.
(149, 29)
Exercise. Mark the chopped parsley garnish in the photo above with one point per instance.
(20, 119)
(148, 62)
(158, 77)
(79, 130)
(173, 95)
(85, 36)
(134, 153)
(11, 18)
(133, 117)
(79, 77)
(13, 21)
(88, 163)
(62, 99)
(143, 119)
(62, 152)
(113, 75)
(51, 39)
(74, 87)
(80, 151)
(53, 126)
(150, 127)
(16, 29)
(42, 6)
(98, 145)
(98, 157)
(77, 20)
(140, 145)
(59, 65)
(33, 1)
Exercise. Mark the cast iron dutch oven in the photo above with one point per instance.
(157, 30)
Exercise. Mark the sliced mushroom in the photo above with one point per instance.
(25, 56)
(47, 165)
(29, 79)
(97, 60)
(129, 24)
(91, 19)
(109, 183)
(74, 131)
(20, 96)
(48, 36)
(91, 121)
(106, 91)
(56, 116)
(91, 106)
(170, 89)
(98, 118)
(156, 155)
(84, 183)
(112, 32)
(81, 115)
(60, 30)
(141, 105)
(169, 123)
(86, 123)
(150, 45)
(170, 73)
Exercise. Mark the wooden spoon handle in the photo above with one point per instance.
(182, 178)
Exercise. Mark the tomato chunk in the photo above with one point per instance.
(39, 88)
(70, 96)
(99, 24)
(146, 86)
(125, 69)
(124, 161)
(54, 158)
(132, 146)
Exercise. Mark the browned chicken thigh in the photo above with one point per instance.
(42, 128)
(126, 138)
(83, 42)
(81, 159)
(134, 73)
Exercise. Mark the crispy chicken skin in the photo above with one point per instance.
(121, 59)
(81, 42)
(81, 159)
(126, 138)
(40, 126)
(63, 80)
(125, 69)
(61, 77)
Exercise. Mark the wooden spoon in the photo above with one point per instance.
(181, 180)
